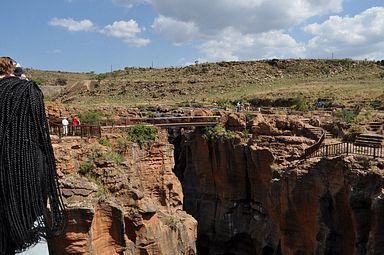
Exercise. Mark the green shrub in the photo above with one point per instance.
(61, 82)
(213, 133)
(247, 133)
(353, 132)
(190, 104)
(122, 145)
(335, 130)
(255, 102)
(117, 158)
(39, 81)
(104, 141)
(376, 104)
(85, 167)
(346, 116)
(364, 116)
(223, 103)
(141, 134)
(300, 103)
(172, 222)
(101, 190)
(249, 116)
(101, 76)
(90, 117)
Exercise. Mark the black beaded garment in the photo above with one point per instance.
(31, 207)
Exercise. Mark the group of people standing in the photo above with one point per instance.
(75, 123)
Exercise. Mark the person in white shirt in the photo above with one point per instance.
(65, 126)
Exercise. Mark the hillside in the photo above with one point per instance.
(346, 81)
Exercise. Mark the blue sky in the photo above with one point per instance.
(93, 35)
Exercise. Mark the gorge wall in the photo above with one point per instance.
(246, 204)
(131, 206)
(250, 194)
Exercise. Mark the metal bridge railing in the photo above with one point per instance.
(315, 147)
(331, 150)
(158, 120)
(80, 130)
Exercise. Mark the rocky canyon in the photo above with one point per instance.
(247, 203)
(248, 191)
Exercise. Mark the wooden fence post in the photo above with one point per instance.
(347, 147)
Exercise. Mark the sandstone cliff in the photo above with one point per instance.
(129, 206)
(247, 204)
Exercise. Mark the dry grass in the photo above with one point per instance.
(346, 81)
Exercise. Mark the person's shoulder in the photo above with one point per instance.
(20, 81)
(15, 80)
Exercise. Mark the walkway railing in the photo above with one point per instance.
(159, 120)
(331, 150)
(56, 128)
(80, 130)
(315, 147)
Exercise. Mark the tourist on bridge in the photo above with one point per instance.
(75, 124)
(65, 123)
(28, 179)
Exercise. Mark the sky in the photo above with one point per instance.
(105, 35)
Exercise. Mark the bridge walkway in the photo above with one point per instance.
(56, 128)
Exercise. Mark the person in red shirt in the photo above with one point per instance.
(75, 121)
(75, 124)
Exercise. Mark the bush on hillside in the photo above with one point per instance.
(216, 132)
(91, 117)
(105, 142)
(142, 134)
(346, 116)
(61, 82)
(39, 81)
(300, 103)
(353, 132)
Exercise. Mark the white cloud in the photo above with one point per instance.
(232, 45)
(360, 36)
(178, 31)
(126, 30)
(72, 25)
(246, 16)
(242, 29)
(128, 3)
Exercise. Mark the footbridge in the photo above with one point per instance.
(56, 128)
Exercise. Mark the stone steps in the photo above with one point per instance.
(319, 131)
(375, 126)
(369, 140)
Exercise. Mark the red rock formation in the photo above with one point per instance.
(132, 207)
(245, 206)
